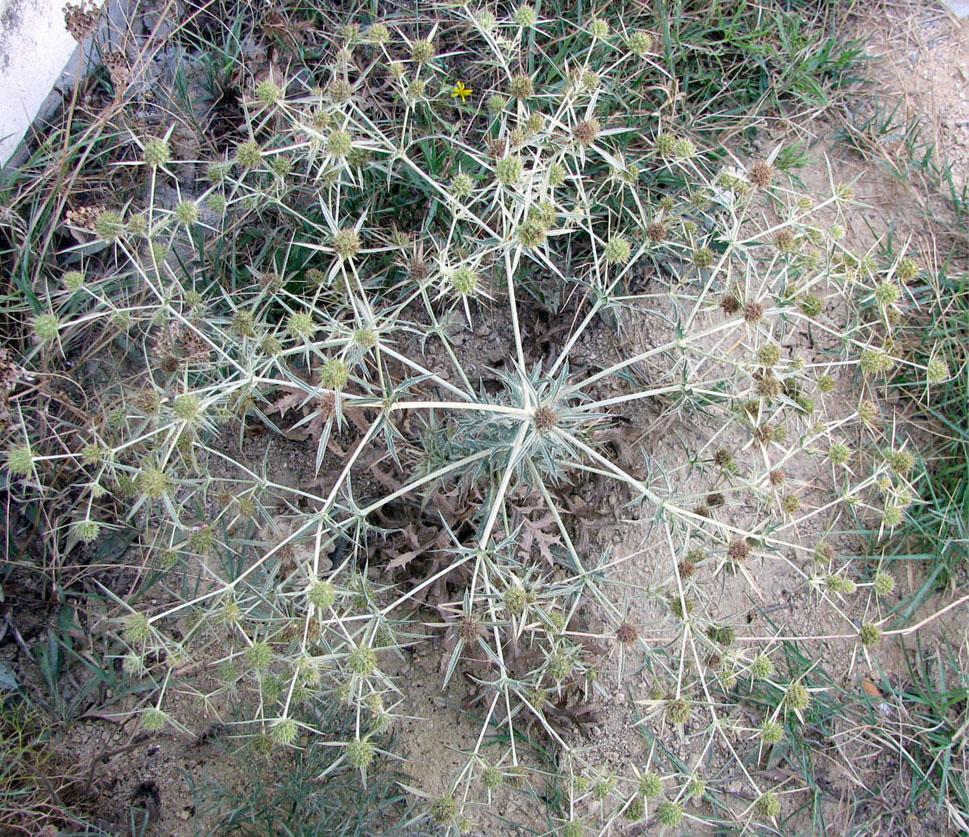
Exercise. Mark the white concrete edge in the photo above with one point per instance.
(39, 63)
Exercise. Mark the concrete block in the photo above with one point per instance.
(37, 54)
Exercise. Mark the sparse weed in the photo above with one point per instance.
(467, 315)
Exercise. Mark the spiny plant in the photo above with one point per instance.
(409, 285)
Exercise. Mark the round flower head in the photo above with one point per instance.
(683, 149)
(464, 280)
(739, 550)
(678, 711)
(136, 628)
(604, 787)
(46, 327)
(543, 213)
(301, 324)
(753, 312)
(670, 814)
(259, 655)
(618, 250)
(186, 406)
(869, 634)
(422, 51)
(360, 753)
(545, 418)
(797, 696)
(87, 530)
(109, 226)
(339, 143)
(722, 634)
(771, 732)
(322, 595)
(335, 374)
(599, 28)
(907, 270)
(154, 482)
(216, 203)
(187, 213)
(379, 34)
(785, 241)
(156, 153)
(525, 17)
(556, 175)
(761, 174)
(640, 43)
(883, 584)
(444, 809)
(249, 154)
(702, 258)
(283, 731)
(496, 103)
(416, 89)
(521, 87)
(532, 234)
(362, 660)
(268, 93)
(486, 21)
(811, 304)
(509, 170)
(840, 584)
(244, 324)
(768, 355)
(339, 90)
(346, 243)
(73, 281)
(462, 185)
(586, 131)
(515, 599)
(936, 371)
(152, 719)
(876, 362)
(769, 805)
(892, 515)
(650, 785)
(664, 145)
(887, 293)
(839, 453)
(901, 462)
(365, 338)
(491, 777)
(762, 667)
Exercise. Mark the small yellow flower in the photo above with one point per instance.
(461, 91)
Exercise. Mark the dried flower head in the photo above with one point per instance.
(585, 132)
(81, 21)
(627, 633)
(753, 312)
(761, 174)
(739, 550)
